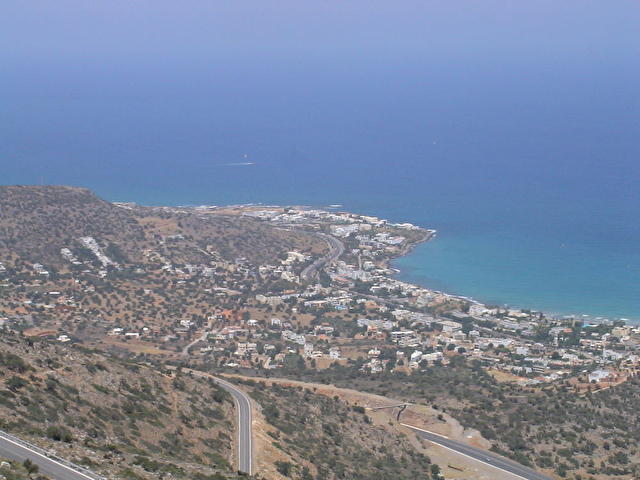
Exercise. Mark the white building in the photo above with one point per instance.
(450, 327)
(598, 376)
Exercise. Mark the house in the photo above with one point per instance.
(373, 353)
(449, 326)
(459, 336)
(400, 334)
(293, 337)
(39, 269)
(477, 310)
(293, 257)
(598, 376)
(308, 349)
(621, 331)
(245, 347)
(509, 324)
(273, 300)
(323, 329)
(375, 365)
(415, 357)
(432, 357)
(374, 325)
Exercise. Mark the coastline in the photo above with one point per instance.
(587, 318)
(407, 251)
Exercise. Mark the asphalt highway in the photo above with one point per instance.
(336, 248)
(243, 408)
(483, 456)
(14, 449)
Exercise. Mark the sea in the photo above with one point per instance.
(515, 135)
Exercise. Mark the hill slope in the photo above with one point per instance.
(36, 222)
(119, 418)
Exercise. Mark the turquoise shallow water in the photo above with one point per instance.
(516, 137)
(565, 280)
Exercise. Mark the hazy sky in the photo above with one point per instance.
(118, 31)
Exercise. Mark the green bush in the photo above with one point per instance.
(59, 434)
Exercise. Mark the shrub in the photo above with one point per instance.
(59, 434)
(284, 468)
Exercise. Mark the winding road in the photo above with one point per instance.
(336, 249)
(242, 402)
(480, 455)
(245, 443)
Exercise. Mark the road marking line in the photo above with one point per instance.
(47, 458)
(423, 430)
(463, 454)
(250, 439)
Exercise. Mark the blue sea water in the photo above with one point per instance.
(516, 137)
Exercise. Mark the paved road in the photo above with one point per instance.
(58, 469)
(483, 456)
(336, 248)
(243, 407)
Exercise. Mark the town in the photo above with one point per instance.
(311, 309)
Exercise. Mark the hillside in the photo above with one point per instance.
(132, 421)
(552, 428)
(124, 420)
(316, 437)
(36, 222)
